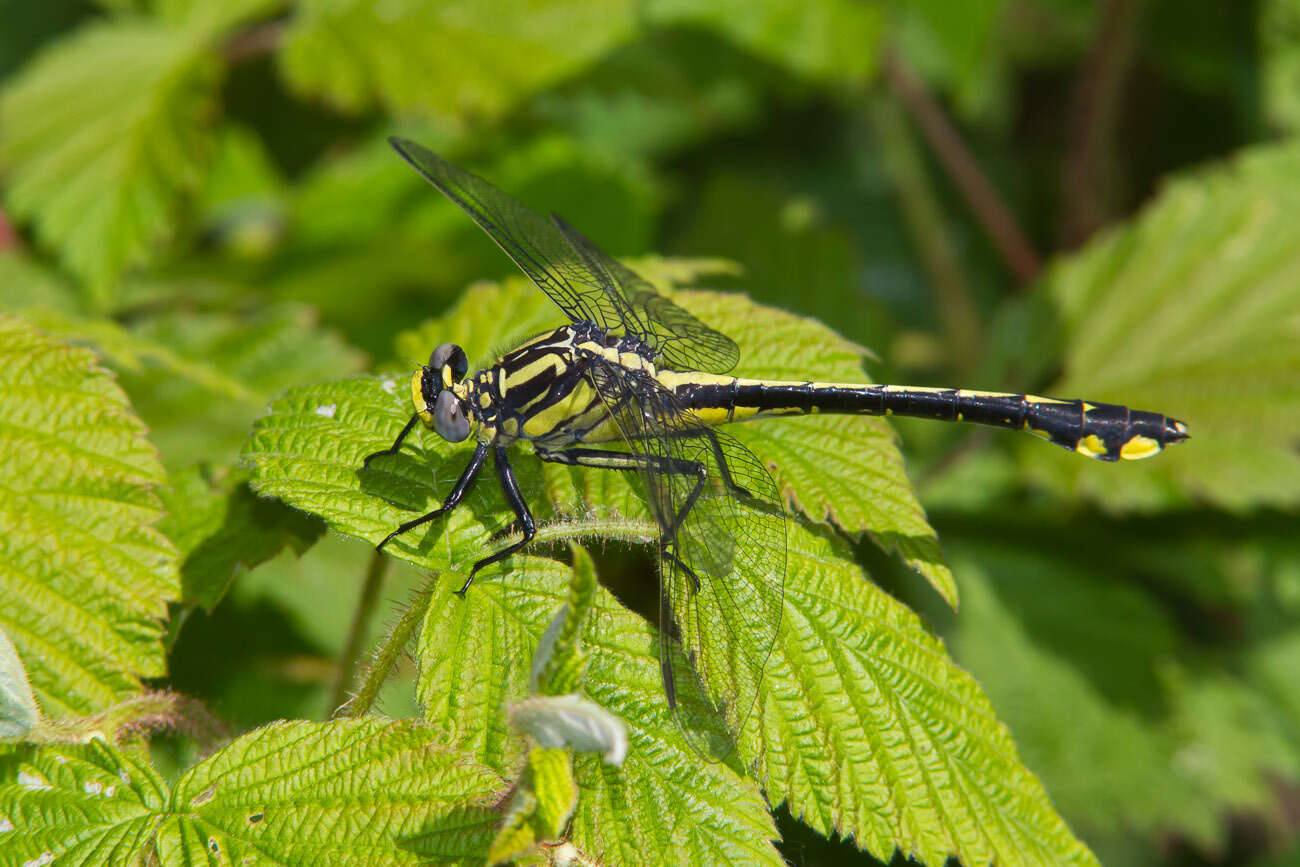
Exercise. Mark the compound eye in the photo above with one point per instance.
(450, 354)
(448, 418)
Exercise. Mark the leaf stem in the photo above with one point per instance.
(254, 42)
(386, 654)
(360, 621)
(9, 239)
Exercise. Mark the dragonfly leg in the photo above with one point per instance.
(581, 457)
(668, 623)
(391, 450)
(723, 470)
(462, 484)
(510, 487)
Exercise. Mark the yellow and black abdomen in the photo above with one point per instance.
(1104, 431)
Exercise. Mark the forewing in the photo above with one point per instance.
(681, 341)
(715, 638)
(539, 248)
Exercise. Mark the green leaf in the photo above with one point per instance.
(830, 39)
(48, 302)
(1138, 734)
(539, 807)
(1192, 311)
(18, 710)
(262, 352)
(104, 129)
(869, 729)
(663, 805)
(1279, 31)
(560, 663)
(459, 58)
(77, 804)
(347, 792)
(221, 529)
(80, 557)
(866, 727)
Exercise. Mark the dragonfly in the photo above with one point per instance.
(636, 383)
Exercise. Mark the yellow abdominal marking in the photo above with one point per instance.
(1091, 446)
(1138, 448)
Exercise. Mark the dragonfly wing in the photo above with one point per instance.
(721, 562)
(682, 341)
(577, 284)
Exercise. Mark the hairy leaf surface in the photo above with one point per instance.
(357, 792)
(86, 574)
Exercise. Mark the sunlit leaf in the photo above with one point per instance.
(869, 729)
(105, 129)
(86, 574)
(832, 39)
(458, 59)
(866, 727)
(345, 792)
(662, 805)
(83, 804)
(1193, 310)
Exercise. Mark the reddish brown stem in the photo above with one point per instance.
(1087, 176)
(984, 201)
(253, 42)
(9, 239)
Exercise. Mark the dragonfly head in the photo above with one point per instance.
(437, 401)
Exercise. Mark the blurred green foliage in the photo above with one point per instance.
(201, 194)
